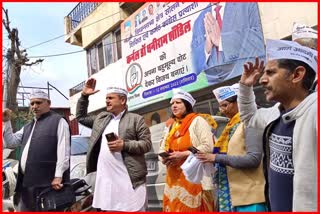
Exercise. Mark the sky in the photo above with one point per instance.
(40, 22)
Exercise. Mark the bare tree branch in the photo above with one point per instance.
(6, 22)
(16, 58)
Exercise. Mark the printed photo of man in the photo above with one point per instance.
(225, 35)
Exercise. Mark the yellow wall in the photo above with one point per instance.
(277, 18)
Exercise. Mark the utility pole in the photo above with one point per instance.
(5, 79)
(15, 59)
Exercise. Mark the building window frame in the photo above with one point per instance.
(92, 61)
(108, 48)
(97, 58)
(117, 44)
(100, 58)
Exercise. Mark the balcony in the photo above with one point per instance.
(80, 12)
(130, 7)
(76, 89)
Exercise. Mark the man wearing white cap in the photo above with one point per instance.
(305, 35)
(45, 154)
(118, 143)
(290, 137)
(308, 37)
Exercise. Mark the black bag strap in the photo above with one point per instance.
(40, 198)
(49, 189)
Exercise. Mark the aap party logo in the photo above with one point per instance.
(133, 77)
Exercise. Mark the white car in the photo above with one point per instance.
(157, 171)
(78, 170)
(79, 148)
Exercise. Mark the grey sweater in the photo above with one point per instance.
(305, 145)
(252, 159)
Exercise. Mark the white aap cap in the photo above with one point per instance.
(181, 94)
(282, 49)
(226, 92)
(116, 90)
(38, 94)
(302, 31)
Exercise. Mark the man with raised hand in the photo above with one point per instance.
(118, 143)
(290, 136)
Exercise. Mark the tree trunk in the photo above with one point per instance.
(13, 87)
(16, 58)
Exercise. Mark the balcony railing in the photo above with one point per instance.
(76, 89)
(80, 12)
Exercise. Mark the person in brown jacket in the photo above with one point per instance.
(118, 143)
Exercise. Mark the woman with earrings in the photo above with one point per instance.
(185, 130)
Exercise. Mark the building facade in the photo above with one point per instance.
(151, 47)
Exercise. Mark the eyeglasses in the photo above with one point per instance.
(36, 102)
(224, 105)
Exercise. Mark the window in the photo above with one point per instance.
(118, 44)
(104, 52)
(100, 56)
(108, 48)
(92, 61)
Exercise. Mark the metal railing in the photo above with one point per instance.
(80, 12)
(76, 89)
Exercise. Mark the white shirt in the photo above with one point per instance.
(12, 140)
(113, 187)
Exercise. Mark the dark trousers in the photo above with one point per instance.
(27, 198)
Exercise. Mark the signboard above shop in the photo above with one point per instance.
(186, 45)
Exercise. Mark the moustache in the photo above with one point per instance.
(267, 88)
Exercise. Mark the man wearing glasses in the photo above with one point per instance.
(45, 143)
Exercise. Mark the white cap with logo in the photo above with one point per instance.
(226, 92)
(302, 31)
(39, 94)
(282, 49)
(117, 90)
(181, 94)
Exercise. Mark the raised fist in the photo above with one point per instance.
(6, 115)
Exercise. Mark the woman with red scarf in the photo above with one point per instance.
(186, 129)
